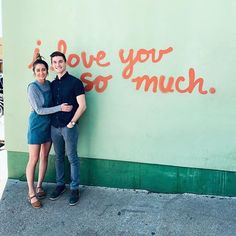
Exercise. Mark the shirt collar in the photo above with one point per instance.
(63, 77)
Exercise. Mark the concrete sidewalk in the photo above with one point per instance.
(106, 211)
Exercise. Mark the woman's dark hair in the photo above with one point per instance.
(39, 60)
(56, 54)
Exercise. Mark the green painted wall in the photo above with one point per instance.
(120, 174)
(189, 124)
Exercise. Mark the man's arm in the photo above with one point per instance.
(80, 110)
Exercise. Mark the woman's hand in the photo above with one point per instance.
(65, 107)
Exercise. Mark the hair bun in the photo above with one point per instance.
(39, 60)
(38, 57)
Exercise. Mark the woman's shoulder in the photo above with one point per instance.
(32, 88)
(48, 84)
(32, 85)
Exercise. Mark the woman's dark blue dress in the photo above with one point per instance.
(40, 125)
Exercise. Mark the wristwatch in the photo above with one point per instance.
(73, 123)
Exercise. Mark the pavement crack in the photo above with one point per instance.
(105, 209)
(132, 211)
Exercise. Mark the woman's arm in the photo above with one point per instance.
(36, 101)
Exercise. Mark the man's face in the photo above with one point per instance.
(58, 64)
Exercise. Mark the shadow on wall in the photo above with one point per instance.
(1, 95)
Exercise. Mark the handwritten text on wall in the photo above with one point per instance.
(129, 59)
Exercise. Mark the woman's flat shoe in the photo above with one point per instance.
(36, 204)
(40, 193)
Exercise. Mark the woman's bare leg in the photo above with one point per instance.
(45, 149)
(34, 150)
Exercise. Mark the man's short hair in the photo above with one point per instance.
(56, 54)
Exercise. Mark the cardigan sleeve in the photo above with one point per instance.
(36, 101)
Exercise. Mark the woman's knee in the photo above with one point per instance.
(44, 158)
(33, 161)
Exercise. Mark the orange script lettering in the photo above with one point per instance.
(142, 55)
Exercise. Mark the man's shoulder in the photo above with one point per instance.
(53, 81)
(72, 77)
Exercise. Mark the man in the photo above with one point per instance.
(64, 131)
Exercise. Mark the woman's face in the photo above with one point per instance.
(40, 72)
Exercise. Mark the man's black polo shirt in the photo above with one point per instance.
(65, 90)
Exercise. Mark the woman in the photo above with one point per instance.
(39, 137)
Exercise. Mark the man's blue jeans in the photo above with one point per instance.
(65, 139)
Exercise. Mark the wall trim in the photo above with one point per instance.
(132, 175)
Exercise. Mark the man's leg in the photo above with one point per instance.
(71, 138)
(59, 148)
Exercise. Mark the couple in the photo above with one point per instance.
(55, 110)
